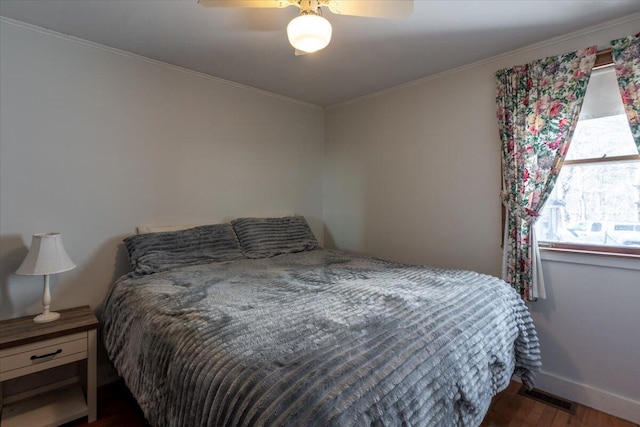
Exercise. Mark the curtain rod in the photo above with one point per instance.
(603, 58)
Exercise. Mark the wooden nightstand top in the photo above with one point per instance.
(24, 330)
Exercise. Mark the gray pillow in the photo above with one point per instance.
(155, 252)
(267, 237)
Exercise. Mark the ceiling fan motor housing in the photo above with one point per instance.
(309, 6)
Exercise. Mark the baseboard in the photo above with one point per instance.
(586, 395)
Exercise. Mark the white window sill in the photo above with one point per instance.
(593, 259)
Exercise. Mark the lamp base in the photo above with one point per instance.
(46, 317)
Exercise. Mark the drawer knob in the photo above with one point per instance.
(58, 351)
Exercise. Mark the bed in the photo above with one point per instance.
(254, 335)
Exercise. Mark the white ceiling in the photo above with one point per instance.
(250, 46)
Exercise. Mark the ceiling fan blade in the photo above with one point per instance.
(245, 3)
(299, 52)
(389, 9)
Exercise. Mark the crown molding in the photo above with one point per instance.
(124, 53)
(496, 58)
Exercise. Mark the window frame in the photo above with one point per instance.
(603, 59)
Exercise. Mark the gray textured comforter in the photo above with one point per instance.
(317, 338)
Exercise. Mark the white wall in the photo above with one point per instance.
(94, 142)
(589, 331)
(413, 174)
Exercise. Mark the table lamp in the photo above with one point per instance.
(46, 256)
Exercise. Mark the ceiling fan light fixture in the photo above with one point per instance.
(309, 32)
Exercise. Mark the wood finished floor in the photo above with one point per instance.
(117, 408)
(509, 409)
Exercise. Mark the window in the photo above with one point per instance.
(595, 204)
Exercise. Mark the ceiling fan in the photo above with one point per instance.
(310, 31)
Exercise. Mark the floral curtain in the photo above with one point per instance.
(626, 56)
(538, 105)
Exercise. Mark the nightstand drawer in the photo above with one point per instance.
(20, 360)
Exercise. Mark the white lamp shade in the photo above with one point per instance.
(309, 33)
(46, 256)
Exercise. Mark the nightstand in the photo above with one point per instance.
(27, 347)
